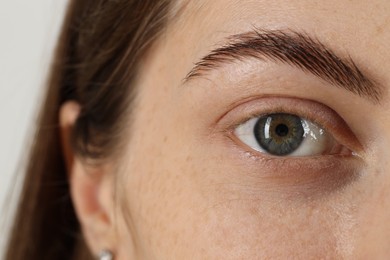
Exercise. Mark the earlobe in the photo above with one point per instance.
(90, 187)
(91, 192)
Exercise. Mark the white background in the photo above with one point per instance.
(28, 32)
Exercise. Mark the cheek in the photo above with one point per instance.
(162, 201)
(180, 203)
(258, 230)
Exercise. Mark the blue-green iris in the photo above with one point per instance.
(279, 134)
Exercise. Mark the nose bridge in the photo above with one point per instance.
(372, 234)
(374, 227)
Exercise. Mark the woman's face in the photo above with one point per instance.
(275, 145)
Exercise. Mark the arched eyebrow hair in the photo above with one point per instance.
(293, 48)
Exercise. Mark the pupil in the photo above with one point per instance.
(281, 130)
(279, 134)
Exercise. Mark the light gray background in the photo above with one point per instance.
(28, 32)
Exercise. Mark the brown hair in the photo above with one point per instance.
(96, 61)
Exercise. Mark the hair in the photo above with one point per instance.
(97, 57)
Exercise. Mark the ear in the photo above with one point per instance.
(91, 188)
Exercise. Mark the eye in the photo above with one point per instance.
(283, 134)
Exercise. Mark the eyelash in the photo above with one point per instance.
(290, 178)
(287, 135)
(315, 112)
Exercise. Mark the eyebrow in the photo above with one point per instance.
(295, 49)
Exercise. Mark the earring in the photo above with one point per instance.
(106, 255)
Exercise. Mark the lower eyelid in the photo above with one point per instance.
(297, 175)
(320, 114)
(258, 173)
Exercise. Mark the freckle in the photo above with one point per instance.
(253, 211)
(379, 29)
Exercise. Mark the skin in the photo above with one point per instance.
(185, 188)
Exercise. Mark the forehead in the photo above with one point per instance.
(358, 27)
(374, 12)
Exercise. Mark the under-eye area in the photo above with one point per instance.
(291, 142)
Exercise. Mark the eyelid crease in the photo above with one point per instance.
(320, 114)
(296, 49)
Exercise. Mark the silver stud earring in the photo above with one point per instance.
(105, 255)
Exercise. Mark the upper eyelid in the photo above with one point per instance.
(319, 114)
(276, 109)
